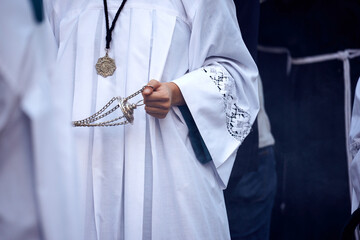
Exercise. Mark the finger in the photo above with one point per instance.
(153, 85)
(156, 84)
(148, 90)
(158, 97)
(159, 105)
(155, 110)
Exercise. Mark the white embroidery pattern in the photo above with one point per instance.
(237, 119)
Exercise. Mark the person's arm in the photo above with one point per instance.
(220, 88)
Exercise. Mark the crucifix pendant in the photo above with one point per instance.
(105, 66)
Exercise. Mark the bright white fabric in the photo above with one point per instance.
(155, 188)
(265, 136)
(38, 180)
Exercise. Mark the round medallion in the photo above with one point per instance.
(105, 66)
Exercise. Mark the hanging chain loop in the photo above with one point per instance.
(126, 108)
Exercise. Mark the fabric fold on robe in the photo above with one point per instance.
(216, 86)
(167, 41)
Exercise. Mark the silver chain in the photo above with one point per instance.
(126, 108)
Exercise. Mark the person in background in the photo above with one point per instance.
(38, 176)
(252, 186)
(309, 86)
(355, 164)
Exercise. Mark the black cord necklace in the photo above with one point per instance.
(105, 66)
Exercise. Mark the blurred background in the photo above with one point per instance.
(303, 59)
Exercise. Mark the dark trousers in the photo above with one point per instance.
(250, 194)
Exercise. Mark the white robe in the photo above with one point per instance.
(143, 180)
(38, 176)
(354, 171)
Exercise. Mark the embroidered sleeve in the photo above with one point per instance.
(238, 121)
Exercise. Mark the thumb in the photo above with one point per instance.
(153, 85)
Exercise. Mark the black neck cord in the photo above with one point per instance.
(109, 30)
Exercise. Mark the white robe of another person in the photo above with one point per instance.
(354, 148)
(143, 181)
(38, 174)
